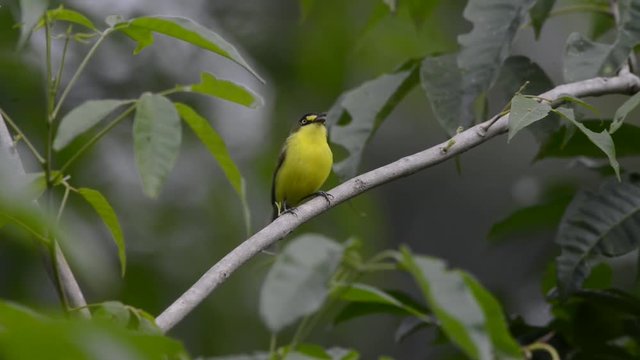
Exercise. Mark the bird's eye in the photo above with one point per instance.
(303, 121)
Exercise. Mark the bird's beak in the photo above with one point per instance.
(321, 118)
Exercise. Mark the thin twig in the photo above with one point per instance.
(22, 136)
(68, 280)
(282, 226)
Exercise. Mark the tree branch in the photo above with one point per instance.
(625, 83)
(67, 279)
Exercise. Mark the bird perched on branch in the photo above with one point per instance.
(303, 166)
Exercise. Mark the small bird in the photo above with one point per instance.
(303, 166)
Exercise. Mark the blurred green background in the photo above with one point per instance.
(309, 52)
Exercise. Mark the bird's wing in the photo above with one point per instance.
(273, 182)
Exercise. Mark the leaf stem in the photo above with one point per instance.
(97, 137)
(22, 136)
(67, 189)
(56, 84)
(81, 67)
(540, 346)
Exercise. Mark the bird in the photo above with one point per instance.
(303, 166)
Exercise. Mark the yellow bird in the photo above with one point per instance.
(304, 164)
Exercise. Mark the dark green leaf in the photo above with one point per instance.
(419, 10)
(367, 106)
(524, 112)
(366, 300)
(606, 222)
(83, 118)
(186, 30)
(157, 135)
(255, 356)
(30, 13)
(539, 14)
(226, 90)
(62, 14)
(442, 82)
(305, 8)
(586, 59)
(601, 24)
(602, 139)
(407, 327)
(599, 278)
(470, 317)
(297, 285)
(617, 300)
(626, 141)
(623, 111)
(216, 146)
(108, 216)
(530, 219)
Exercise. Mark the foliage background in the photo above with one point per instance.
(310, 52)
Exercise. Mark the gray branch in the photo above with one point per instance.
(67, 279)
(626, 83)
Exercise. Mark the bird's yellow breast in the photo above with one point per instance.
(306, 166)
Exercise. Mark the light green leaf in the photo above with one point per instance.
(605, 222)
(157, 135)
(586, 59)
(30, 13)
(524, 112)
(602, 139)
(186, 30)
(108, 216)
(62, 14)
(226, 90)
(83, 118)
(216, 146)
(580, 102)
(297, 284)
(469, 316)
(623, 111)
(357, 114)
(419, 10)
(539, 14)
(515, 72)
(75, 338)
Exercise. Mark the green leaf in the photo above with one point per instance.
(83, 118)
(605, 223)
(485, 48)
(524, 112)
(296, 285)
(62, 14)
(362, 110)
(530, 219)
(419, 10)
(30, 13)
(586, 59)
(226, 90)
(113, 311)
(305, 8)
(539, 14)
(442, 82)
(601, 24)
(574, 100)
(469, 316)
(255, 356)
(366, 300)
(623, 111)
(496, 323)
(515, 72)
(29, 335)
(108, 216)
(156, 135)
(602, 139)
(626, 141)
(186, 30)
(216, 146)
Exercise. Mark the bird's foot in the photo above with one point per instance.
(291, 211)
(325, 195)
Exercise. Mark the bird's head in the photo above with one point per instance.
(312, 118)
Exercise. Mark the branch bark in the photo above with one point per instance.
(625, 83)
(67, 279)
